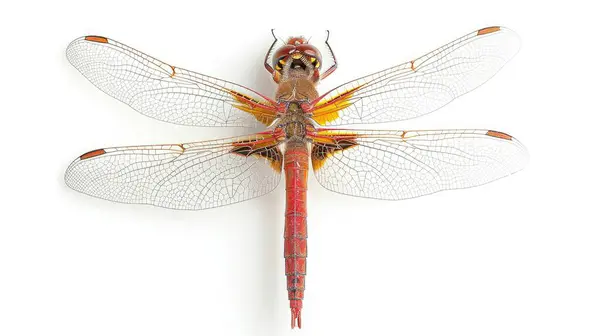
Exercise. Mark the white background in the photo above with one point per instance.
(516, 257)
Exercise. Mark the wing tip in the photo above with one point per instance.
(489, 30)
(499, 135)
(524, 153)
(72, 50)
(492, 30)
(95, 38)
(91, 154)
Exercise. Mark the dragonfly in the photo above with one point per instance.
(301, 128)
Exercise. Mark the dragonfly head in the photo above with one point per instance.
(296, 59)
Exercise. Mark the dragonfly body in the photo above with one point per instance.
(389, 165)
(296, 72)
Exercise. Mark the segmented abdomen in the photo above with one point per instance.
(296, 173)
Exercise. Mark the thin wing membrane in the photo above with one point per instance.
(165, 92)
(188, 176)
(420, 86)
(396, 165)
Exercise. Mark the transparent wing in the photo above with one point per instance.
(165, 92)
(420, 86)
(396, 165)
(190, 176)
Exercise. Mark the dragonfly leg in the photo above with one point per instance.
(267, 65)
(334, 66)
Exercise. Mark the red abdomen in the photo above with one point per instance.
(296, 174)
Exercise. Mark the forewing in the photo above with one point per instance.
(422, 85)
(396, 165)
(165, 92)
(189, 176)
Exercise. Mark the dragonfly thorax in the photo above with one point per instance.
(294, 122)
(294, 93)
(298, 89)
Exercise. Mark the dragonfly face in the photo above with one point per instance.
(381, 164)
(297, 59)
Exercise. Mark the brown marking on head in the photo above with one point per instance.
(92, 154)
(499, 135)
(487, 30)
(98, 39)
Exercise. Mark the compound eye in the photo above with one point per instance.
(280, 63)
(315, 62)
